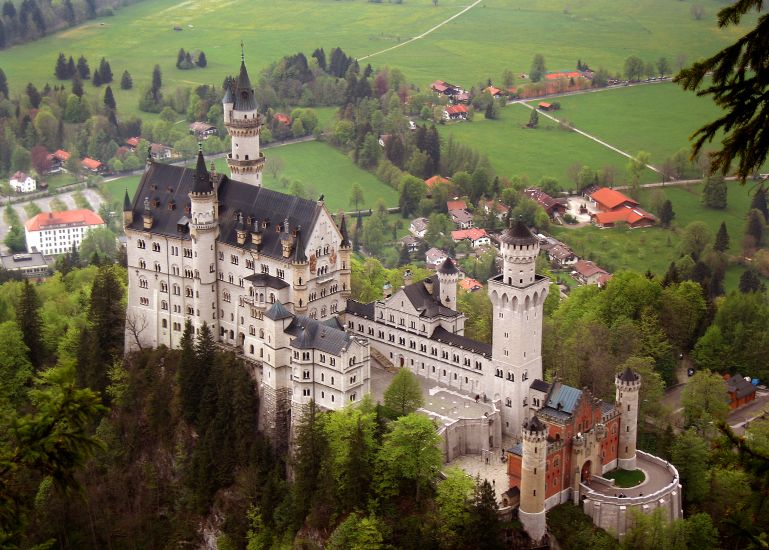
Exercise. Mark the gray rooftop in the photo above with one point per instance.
(311, 334)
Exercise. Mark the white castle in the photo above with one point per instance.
(270, 274)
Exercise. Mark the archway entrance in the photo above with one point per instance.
(585, 475)
(402, 361)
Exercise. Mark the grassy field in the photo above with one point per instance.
(626, 478)
(55, 181)
(313, 164)
(657, 118)
(654, 248)
(492, 36)
(515, 150)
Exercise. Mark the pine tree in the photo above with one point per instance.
(751, 282)
(433, 149)
(3, 38)
(714, 192)
(188, 389)
(33, 95)
(755, 227)
(667, 214)
(320, 55)
(61, 71)
(202, 61)
(71, 68)
(30, 323)
(3, 84)
(105, 71)
(109, 99)
(405, 257)
(126, 82)
(157, 83)
(483, 530)
(82, 68)
(180, 58)
(759, 203)
(96, 80)
(671, 276)
(69, 13)
(205, 355)
(77, 85)
(722, 239)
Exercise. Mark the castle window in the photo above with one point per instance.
(163, 286)
(233, 259)
(141, 244)
(281, 274)
(190, 310)
(188, 292)
(221, 256)
(249, 264)
(252, 330)
(188, 273)
(353, 379)
(144, 301)
(164, 305)
(353, 397)
(508, 402)
(333, 362)
(177, 290)
(143, 283)
(306, 392)
(165, 323)
(510, 376)
(498, 373)
(265, 269)
(188, 253)
(525, 375)
(525, 401)
(155, 247)
(175, 269)
(142, 264)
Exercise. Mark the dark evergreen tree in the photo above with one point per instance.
(667, 214)
(69, 13)
(483, 530)
(83, 69)
(180, 58)
(96, 80)
(30, 323)
(433, 149)
(37, 17)
(126, 82)
(3, 37)
(109, 99)
(77, 85)
(188, 380)
(722, 239)
(312, 452)
(61, 71)
(157, 83)
(395, 151)
(714, 192)
(489, 113)
(751, 282)
(46, 89)
(405, 257)
(205, 353)
(105, 71)
(112, 119)
(755, 227)
(71, 67)
(33, 95)
(368, 71)
(759, 202)
(3, 84)
(202, 61)
(91, 8)
(320, 56)
(9, 9)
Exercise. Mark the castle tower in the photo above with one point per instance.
(301, 274)
(532, 509)
(345, 249)
(128, 213)
(241, 119)
(628, 385)
(204, 230)
(517, 297)
(275, 408)
(447, 278)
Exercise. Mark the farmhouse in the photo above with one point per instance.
(455, 112)
(418, 227)
(133, 142)
(476, 237)
(436, 180)
(444, 88)
(496, 93)
(633, 217)
(461, 218)
(411, 243)
(282, 118)
(434, 257)
(22, 183)
(587, 273)
(92, 165)
(500, 210)
(468, 284)
(552, 206)
(544, 106)
(606, 200)
(58, 158)
(160, 151)
(740, 390)
(557, 253)
(202, 130)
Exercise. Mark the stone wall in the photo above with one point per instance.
(470, 436)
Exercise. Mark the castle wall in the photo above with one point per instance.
(470, 436)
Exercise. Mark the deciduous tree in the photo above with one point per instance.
(404, 394)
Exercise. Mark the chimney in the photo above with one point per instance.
(407, 276)
(429, 285)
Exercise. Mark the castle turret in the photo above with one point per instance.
(533, 465)
(517, 296)
(447, 278)
(301, 270)
(128, 213)
(345, 250)
(628, 385)
(241, 118)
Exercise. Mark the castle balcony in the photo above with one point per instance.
(244, 123)
(246, 163)
(326, 277)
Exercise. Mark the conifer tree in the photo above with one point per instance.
(187, 368)
(71, 68)
(30, 323)
(722, 239)
(751, 282)
(83, 69)
(77, 85)
(202, 61)
(3, 84)
(157, 83)
(714, 192)
(755, 227)
(126, 82)
(671, 276)
(105, 71)
(758, 202)
(483, 530)
(180, 58)
(61, 71)
(3, 38)
(109, 99)
(33, 95)
(320, 56)
(404, 258)
(203, 395)
(96, 80)
(667, 214)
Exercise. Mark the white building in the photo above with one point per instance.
(56, 232)
(22, 183)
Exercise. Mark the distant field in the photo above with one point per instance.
(546, 151)
(491, 37)
(312, 163)
(654, 248)
(658, 118)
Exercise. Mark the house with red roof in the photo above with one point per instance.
(496, 93)
(56, 232)
(633, 217)
(476, 237)
(468, 284)
(587, 273)
(92, 165)
(456, 205)
(436, 180)
(500, 210)
(606, 200)
(551, 206)
(455, 112)
(283, 118)
(444, 88)
(133, 142)
(57, 159)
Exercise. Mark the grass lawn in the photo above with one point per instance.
(55, 181)
(626, 478)
(654, 248)
(545, 151)
(313, 164)
(658, 118)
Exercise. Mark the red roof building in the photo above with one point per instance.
(133, 142)
(608, 199)
(282, 118)
(552, 206)
(558, 76)
(56, 232)
(91, 164)
(495, 92)
(436, 180)
(634, 217)
(455, 112)
(473, 234)
(588, 273)
(61, 155)
(468, 284)
(456, 205)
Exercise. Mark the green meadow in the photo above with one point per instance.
(548, 150)
(658, 118)
(315, 165)
(655, 247)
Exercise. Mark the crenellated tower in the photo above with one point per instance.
(533, 472)
(345, 250)
(241, 119)
(447, 278)
(628, 386)
(204, 231)
(517, 297)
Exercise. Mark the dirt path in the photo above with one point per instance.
(585, 134)
(410, 40)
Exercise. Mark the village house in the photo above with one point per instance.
(56, 232)
(553, 207)
(468, 284)
(92, 165)
(418, 227)
(160, 151)
(587, 273)
(558, 254)
(740, 390)
(133, 142)
(461, 97)
(435, 181)
(476, 237)
(544, 106)
(604, 199)
(461, 218)
(444, 88)
(58, 158)
(411, 243)
(434, 257)
(203, 130)
(283, 118)
(22, 183)
(614, 208)
(496, 93)
(500, 210)
(455, 112)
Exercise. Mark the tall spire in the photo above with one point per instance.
(244, 93)
(343, 230)
(202, 179)
(126, 201)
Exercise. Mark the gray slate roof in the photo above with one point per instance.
(270, 281)
(442, 335)
(361, 310)
(278, 311)
(428, 304)
(312, 334)
(540, 385)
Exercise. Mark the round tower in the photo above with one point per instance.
(532, 509)
(241, 119)
(301, 271)
(519, 250)
(345, 250)
(628, 385)
(204, 230)
(447, 280)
